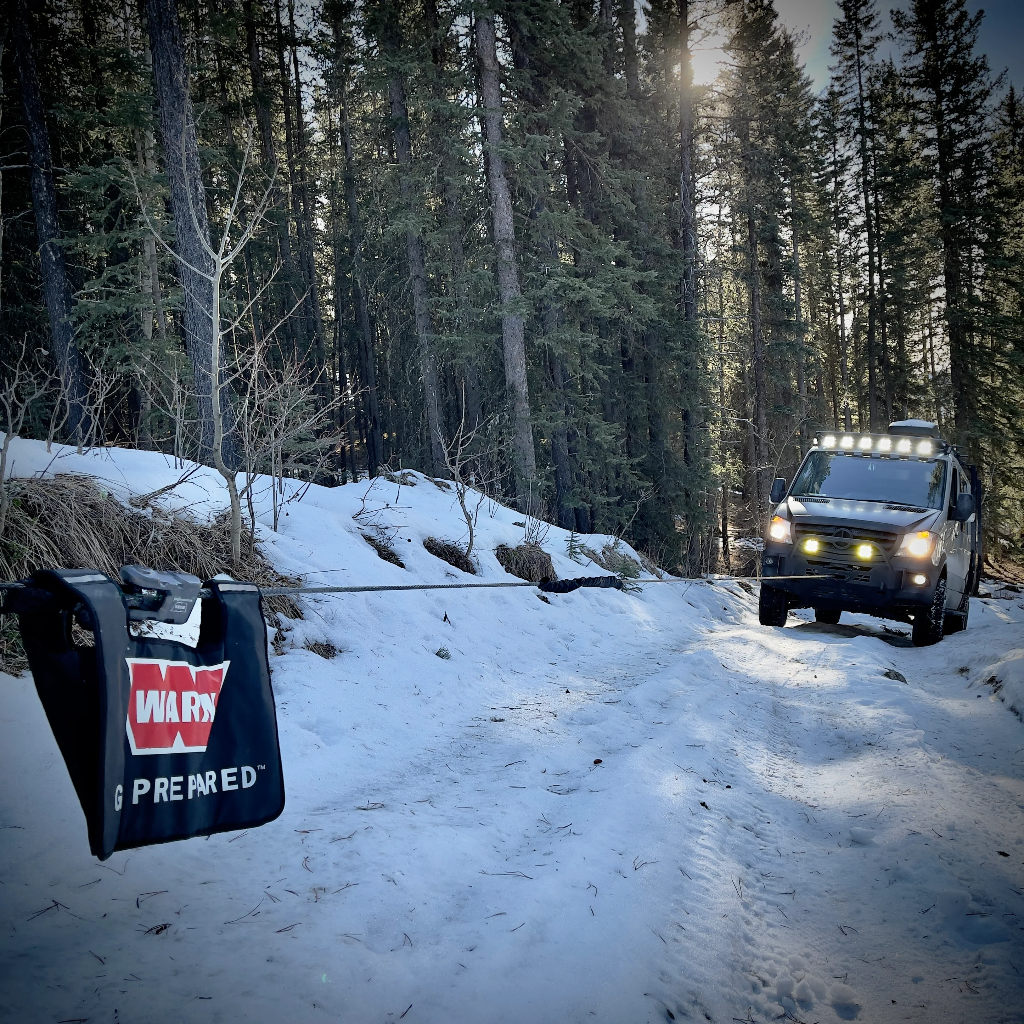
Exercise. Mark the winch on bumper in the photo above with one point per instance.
(853, 569)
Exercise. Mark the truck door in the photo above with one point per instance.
(976, 555)
(958, 542)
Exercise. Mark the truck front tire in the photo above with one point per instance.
(772, 607)
(929, 623)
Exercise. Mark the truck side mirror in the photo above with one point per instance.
(964, 508)
(779, 491)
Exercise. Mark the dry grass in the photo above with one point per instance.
(613, 559)
(450, 553)
(12, 654)
(405, 478)
(322, 648)
(384, 548)
(529, 562)
(1004, 570)
(71, 522)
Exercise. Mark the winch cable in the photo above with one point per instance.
(548, 586)
(591, 581)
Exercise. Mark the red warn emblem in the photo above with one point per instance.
(172, 705)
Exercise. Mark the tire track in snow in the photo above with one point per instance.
(814, 805)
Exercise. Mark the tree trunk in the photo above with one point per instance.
(560, 443)
(304, 218)
(631, 65)
(882, 315)
(251, 285)
(801, 375)
(871, 239)
(56, 288)
(417, 276)
(367, 364)
(687, 206)
(512, 326)
(760, 391)
(188, 208)
(951, 225)
(472, 412)
(150, 269)
(278, 212)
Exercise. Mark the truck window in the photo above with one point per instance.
(900, 481)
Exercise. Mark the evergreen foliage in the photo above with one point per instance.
(695, 279)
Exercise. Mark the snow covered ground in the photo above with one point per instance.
(612, 807)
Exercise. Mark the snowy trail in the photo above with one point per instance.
(508, 873)
(611, 807)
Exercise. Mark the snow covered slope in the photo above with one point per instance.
(613, 807)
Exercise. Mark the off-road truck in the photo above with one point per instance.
(885, 524)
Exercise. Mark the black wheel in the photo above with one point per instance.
(956, 621)
(772, 607)
(830, 616)
(929, 623)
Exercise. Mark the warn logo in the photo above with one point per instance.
(172, 705)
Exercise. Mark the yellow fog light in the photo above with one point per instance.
(864, 551)
(812, 546)
(919, 579)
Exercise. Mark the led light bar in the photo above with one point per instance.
(882, 444)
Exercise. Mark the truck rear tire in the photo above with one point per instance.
(830, 616)
(772, 607)
(929, 623)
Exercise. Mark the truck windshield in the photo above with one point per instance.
(900, 481)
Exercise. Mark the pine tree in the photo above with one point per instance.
(189, 208)
(855, 42)
(56, 287)
(950, 92)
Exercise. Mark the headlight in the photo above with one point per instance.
(781, 530)
(917, 545)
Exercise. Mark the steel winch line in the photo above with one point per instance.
(287, 591)
(585, 582)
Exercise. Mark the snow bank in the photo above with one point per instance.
(613, 807)
(1006, 677)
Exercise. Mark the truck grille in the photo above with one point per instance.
(839, 542)
(849, 572)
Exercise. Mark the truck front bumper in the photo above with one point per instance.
(881, 589)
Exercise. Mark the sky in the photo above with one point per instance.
(1001, 36)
